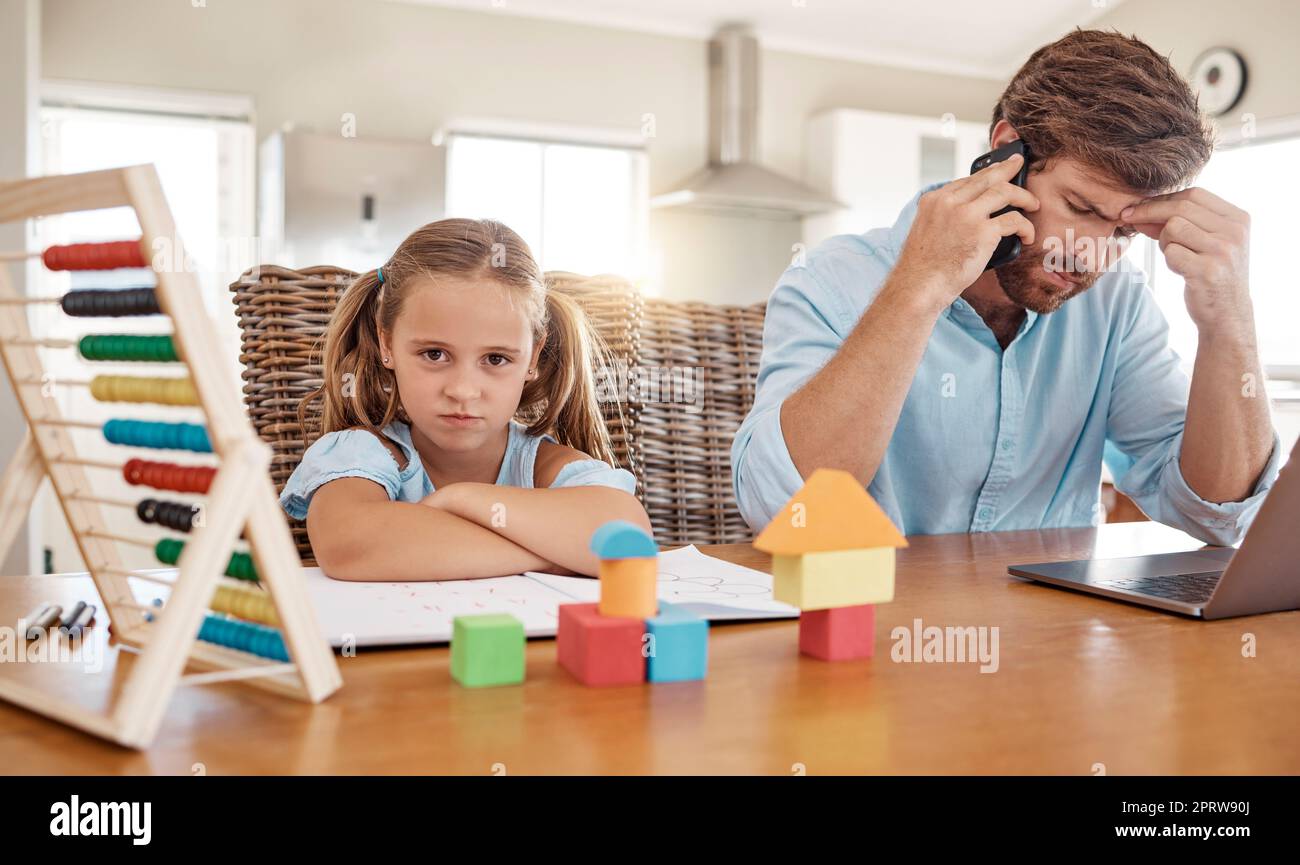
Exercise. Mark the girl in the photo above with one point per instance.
(422, 471)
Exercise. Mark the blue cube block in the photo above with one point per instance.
(679, 648)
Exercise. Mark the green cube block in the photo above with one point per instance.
(487, 650)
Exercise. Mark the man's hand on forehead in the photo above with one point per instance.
(1202, 208)
(1206, 241)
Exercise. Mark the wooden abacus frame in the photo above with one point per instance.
(241, 495)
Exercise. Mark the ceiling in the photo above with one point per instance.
(953, 36)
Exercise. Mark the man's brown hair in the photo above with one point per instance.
(1111, 102)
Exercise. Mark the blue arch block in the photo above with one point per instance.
(619, 539)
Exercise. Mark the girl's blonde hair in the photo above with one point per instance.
(359, 391)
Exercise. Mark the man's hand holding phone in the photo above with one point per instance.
(955, 231)
(1206, 241)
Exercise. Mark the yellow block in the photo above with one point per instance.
(843, 578)
(629, 587)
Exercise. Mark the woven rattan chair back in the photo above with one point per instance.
(679, 382)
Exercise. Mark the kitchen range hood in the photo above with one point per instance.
(733, 182)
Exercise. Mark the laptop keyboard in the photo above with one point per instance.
(1189, 588)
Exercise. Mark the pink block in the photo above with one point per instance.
(600, 650)
(838, 634)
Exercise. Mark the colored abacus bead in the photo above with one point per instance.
(128, 346)
(95, 256)
(168, 550)
(127, 388)
(168, 476)
(110, 302)
(248, 637)
(246, 602)
(173, 515)
(158, 434)
(241, 567)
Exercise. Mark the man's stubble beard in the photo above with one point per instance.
(1024, 282)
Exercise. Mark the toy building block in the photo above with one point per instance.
(831, 512)
(600, 650)
(629, 575)
(487, 650)
(847, 578)
(679, 645)
(620, 539)
(629, 587)
(839, 633)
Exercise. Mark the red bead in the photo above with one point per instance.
(95, 256)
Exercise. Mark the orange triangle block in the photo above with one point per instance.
(831, 512)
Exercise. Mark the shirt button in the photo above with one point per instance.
(986, 513)
(1006, 444)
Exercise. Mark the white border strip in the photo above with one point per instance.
(158, 100)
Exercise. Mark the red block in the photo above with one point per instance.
(600, 650)
(839, 633)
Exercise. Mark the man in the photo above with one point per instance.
(973, 400)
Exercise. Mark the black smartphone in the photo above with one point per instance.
(1009, 247)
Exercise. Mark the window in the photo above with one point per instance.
(202, 147)
(1255, 177)
(579, 207)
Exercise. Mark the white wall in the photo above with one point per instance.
(404, 69)
(19, 154)
(1262, 31)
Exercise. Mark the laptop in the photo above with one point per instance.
(1262, 576)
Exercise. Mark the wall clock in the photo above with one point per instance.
(1219, 76)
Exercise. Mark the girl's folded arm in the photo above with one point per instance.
(358, 533)
(555, 524)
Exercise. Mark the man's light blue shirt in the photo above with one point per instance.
(993, 440)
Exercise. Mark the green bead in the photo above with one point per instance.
(241, 567)
(487, 650)
(168, 550)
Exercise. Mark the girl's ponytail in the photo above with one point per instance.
(357, 389)
(565, 388)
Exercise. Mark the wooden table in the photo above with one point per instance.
(1081, 682)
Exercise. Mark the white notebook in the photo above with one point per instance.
(390, 614)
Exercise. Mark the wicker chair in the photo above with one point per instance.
(688, 369)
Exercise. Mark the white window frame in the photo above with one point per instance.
(237, 219)
(1233, 138)
(238, 196)
(578, 136)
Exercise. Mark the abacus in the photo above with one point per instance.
(231, 614)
